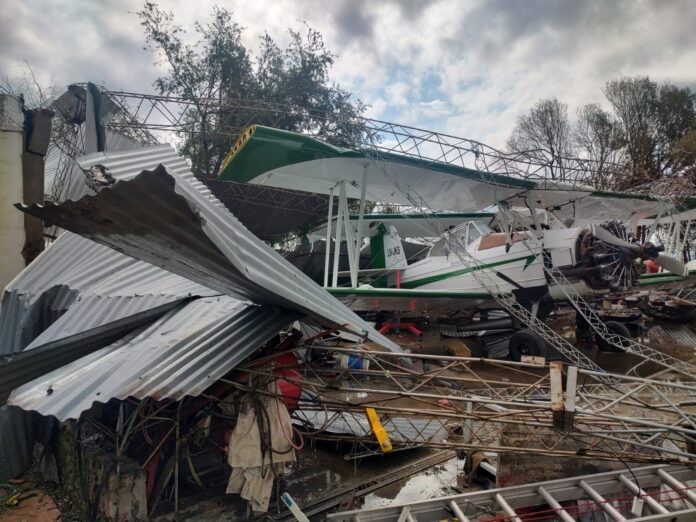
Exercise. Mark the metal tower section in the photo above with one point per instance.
(165, 116)
(488, 279)
(460, 403)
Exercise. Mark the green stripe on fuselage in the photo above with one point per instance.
(439, 277)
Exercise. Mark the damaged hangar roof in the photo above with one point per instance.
(169, 218)
(74, 269)
(182, 353)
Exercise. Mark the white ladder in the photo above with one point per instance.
(595, 491)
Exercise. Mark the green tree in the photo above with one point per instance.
(289, 88)
(654, 118)
(684, 155)
(544, 136)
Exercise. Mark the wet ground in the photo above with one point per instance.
(323, 470)
(324, 474)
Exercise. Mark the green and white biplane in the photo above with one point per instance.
(541, 226)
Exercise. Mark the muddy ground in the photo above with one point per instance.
(324, 470)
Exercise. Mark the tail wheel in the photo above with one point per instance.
(526, 342)
(616, 328)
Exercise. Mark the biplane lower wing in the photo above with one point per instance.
(406, 300)
(664, 277)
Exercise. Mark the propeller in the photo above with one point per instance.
(603, 234)
(671, 264)
(648, 250)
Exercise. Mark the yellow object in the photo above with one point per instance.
(380, 433)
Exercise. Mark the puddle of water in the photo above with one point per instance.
(438, 481)
(322, 470)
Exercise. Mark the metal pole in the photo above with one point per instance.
(358, 239)
(458, 512)
(604, 503)
(339, 234)
(553, 503)
(350, 241)
(327, 255)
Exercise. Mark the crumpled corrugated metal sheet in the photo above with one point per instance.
(75, 268)
(72, 185)
(19, 431)
(406, 430)
(680, 334)
(89, 325)
(182, 353)
(92, 313)
(168, 218)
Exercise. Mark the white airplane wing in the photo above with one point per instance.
(408, 225)
(271, 157)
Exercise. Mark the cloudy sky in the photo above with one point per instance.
(467, 68)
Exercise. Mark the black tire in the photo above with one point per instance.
(616, 328)
(526, 342)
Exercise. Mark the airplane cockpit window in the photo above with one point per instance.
(459, 239)
(475, 232)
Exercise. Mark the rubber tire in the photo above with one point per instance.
(617, 328)
(526, 342)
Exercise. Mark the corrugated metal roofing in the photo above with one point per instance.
(680, 334)
(56, 349)
(182, 353)
(401, 429)
(92, 312)
(75, 268)
(73, 184)
(168, 218)
(126, 165)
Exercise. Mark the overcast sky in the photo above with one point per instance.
(467, 68)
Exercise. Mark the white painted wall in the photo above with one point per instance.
(12, 236)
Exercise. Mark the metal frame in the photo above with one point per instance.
(161, 115)
(637, 420)
(606, 491)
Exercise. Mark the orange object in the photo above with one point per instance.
(652, 266)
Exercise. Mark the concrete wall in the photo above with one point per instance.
(12, 233)
(24, 139)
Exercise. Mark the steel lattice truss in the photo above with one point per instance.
(162, 115)
(463, 403)
(488, 279)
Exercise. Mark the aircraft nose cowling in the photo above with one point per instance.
(605, 265)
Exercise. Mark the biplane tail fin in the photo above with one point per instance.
(386, 249)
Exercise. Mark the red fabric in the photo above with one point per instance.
(291, 391)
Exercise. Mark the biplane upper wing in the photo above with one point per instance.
(282, 159)
(408, 225)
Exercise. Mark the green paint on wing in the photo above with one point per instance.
(262, 149)
(441, 277)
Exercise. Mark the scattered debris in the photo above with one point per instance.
(158, 357)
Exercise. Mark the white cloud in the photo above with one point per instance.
(468, 69)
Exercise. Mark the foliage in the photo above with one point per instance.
(33, 93)
(650, 134)
(684, 155)
(544, 135)
(293, 84)
(601, 139)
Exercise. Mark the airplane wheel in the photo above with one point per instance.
(616, 328)
(526, 342)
